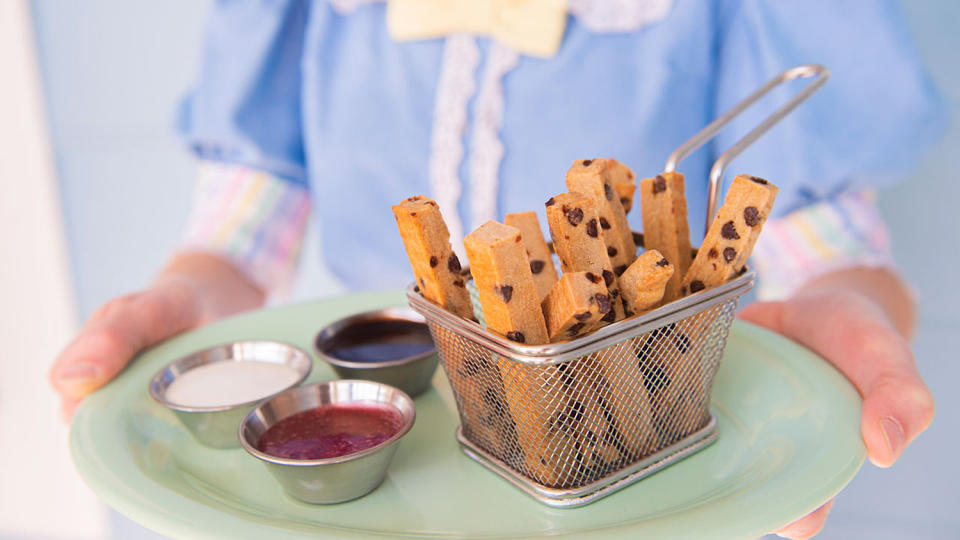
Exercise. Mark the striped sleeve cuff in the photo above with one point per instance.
(840, 233)
(252, 218)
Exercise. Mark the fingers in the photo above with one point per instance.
(807, 526)
(855, 336)
(119, 331)
(898, 408)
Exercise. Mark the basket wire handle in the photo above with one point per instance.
(820, 74)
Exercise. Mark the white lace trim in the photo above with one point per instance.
(454, 88)
(487, 149)
(346, 7)
(607, 16)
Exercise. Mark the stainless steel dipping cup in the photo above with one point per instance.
(336, 479)
(217, 426)
(412, 374)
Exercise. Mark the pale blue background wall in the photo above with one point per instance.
(113, 70)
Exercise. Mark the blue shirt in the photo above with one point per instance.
(331, 102)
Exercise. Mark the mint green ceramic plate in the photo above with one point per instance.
(789, 440)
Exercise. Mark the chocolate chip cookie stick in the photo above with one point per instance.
(435, 265)
(665, 226)
(501, 271)
(575, 305)
(591, 177)
(577, 239)
(643, 284)
(624, 183)
(541, 262)
(732, 234)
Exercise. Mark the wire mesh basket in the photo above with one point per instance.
(574, 421)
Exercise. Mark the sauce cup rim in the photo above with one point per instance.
(408, 421)
(394, 313)
(159, 392)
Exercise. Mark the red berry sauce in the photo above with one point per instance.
(330, 431)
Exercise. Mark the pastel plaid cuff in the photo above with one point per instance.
(843, 232)
(252, 218)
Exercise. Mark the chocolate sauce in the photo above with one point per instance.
(380, 341)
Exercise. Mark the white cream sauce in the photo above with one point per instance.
(229, 383)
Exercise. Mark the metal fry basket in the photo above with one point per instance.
(574, 421)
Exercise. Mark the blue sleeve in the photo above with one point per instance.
(865, 128)
(245, 106)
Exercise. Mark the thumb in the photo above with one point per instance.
(117, 332)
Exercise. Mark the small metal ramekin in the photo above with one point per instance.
(336, 479)
(217, 426)
(411, 374)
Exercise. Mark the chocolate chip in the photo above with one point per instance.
(593, 277)
(416, 288)
(550, 202)
(604, 224)
(610, 316)
(505, 292)
(614, 293)
(603, 302)
(516, 336)
(729, 254)
(413, 214)
(663, 262)
(431, 203)
(620, 270)
(453, 263)
(585, 316)
(611, 251)
(751, 216)
(592, 228)
(587, 162)
(696, 285)
(607, 277)
(659, 184)
(713, 254)
(422, 284)
(573, 330)
(608, 191)
(624, 201)
(729, 231)
(574, 215)
(433, 261)
(627, 312)
(536, 266)
(629, 175)
(414, 198)
(459, 283)
(758, 180)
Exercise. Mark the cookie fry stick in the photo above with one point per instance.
(575, 305)
(665, 226)
(643, 284)
(508, 296)
(732, 234)
(624, 183)
(541, 262)
(591, 177)
(435, 265)
(501, 270)
(576, 232)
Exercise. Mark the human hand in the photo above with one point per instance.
(116, 332)
(194, 289)
(855, 334)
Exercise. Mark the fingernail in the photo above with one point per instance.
(78, 372)
(893, 433)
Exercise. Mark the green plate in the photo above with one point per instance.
(789, 440)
